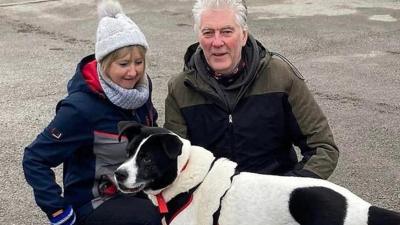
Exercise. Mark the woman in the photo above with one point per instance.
(107, 87)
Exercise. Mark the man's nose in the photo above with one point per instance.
(218, 40)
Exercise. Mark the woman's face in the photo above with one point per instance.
(127, 70)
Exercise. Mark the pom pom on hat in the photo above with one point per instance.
(115, 30)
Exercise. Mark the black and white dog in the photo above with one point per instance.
(199, 189)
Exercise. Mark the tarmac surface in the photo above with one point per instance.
(349, 52)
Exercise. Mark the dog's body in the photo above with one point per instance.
(166, 167)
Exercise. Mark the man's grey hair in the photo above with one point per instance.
(238, 6)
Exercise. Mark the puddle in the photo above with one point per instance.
(301, 8)
(346, 58)
(383, 18)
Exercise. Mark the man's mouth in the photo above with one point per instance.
(219, 54)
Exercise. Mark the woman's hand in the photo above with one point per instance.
(63, 217)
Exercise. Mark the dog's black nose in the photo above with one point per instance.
(121, 175)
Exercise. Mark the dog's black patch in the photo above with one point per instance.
(317, 205)
(136, 133)
(157, 160)
(379, 216)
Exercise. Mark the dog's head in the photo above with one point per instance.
(153, 158)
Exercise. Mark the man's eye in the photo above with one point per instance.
(227, 32)
(207, 33)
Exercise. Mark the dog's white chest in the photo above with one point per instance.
(206, 199)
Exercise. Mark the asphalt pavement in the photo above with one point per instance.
(348, 51)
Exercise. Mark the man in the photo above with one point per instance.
(245, 103)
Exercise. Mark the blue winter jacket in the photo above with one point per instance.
(83, 136)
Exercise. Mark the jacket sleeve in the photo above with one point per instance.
(66, 133)
(174, 120)
(311, 133)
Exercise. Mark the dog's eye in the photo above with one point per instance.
(146, 158)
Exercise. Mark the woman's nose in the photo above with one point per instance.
(132, 70)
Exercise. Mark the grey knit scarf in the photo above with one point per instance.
(124, 98)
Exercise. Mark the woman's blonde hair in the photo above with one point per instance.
(120, 53)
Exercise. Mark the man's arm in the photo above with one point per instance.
(311, 133)
(174, 120)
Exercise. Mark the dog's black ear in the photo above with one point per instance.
(129, 128)
(172, 145)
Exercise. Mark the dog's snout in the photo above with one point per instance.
(121, 175)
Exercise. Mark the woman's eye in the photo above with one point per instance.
(139, 62)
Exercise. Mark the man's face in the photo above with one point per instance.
(221, 39)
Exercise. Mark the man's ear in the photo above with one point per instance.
(171, 144)
(245, 37)
(129, 128)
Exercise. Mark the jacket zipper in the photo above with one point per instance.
(232, 137)
(224, 107)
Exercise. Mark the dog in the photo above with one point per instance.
(192, 187)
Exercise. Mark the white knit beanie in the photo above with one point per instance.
(115, 30)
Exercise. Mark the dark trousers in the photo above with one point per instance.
(124, 210)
